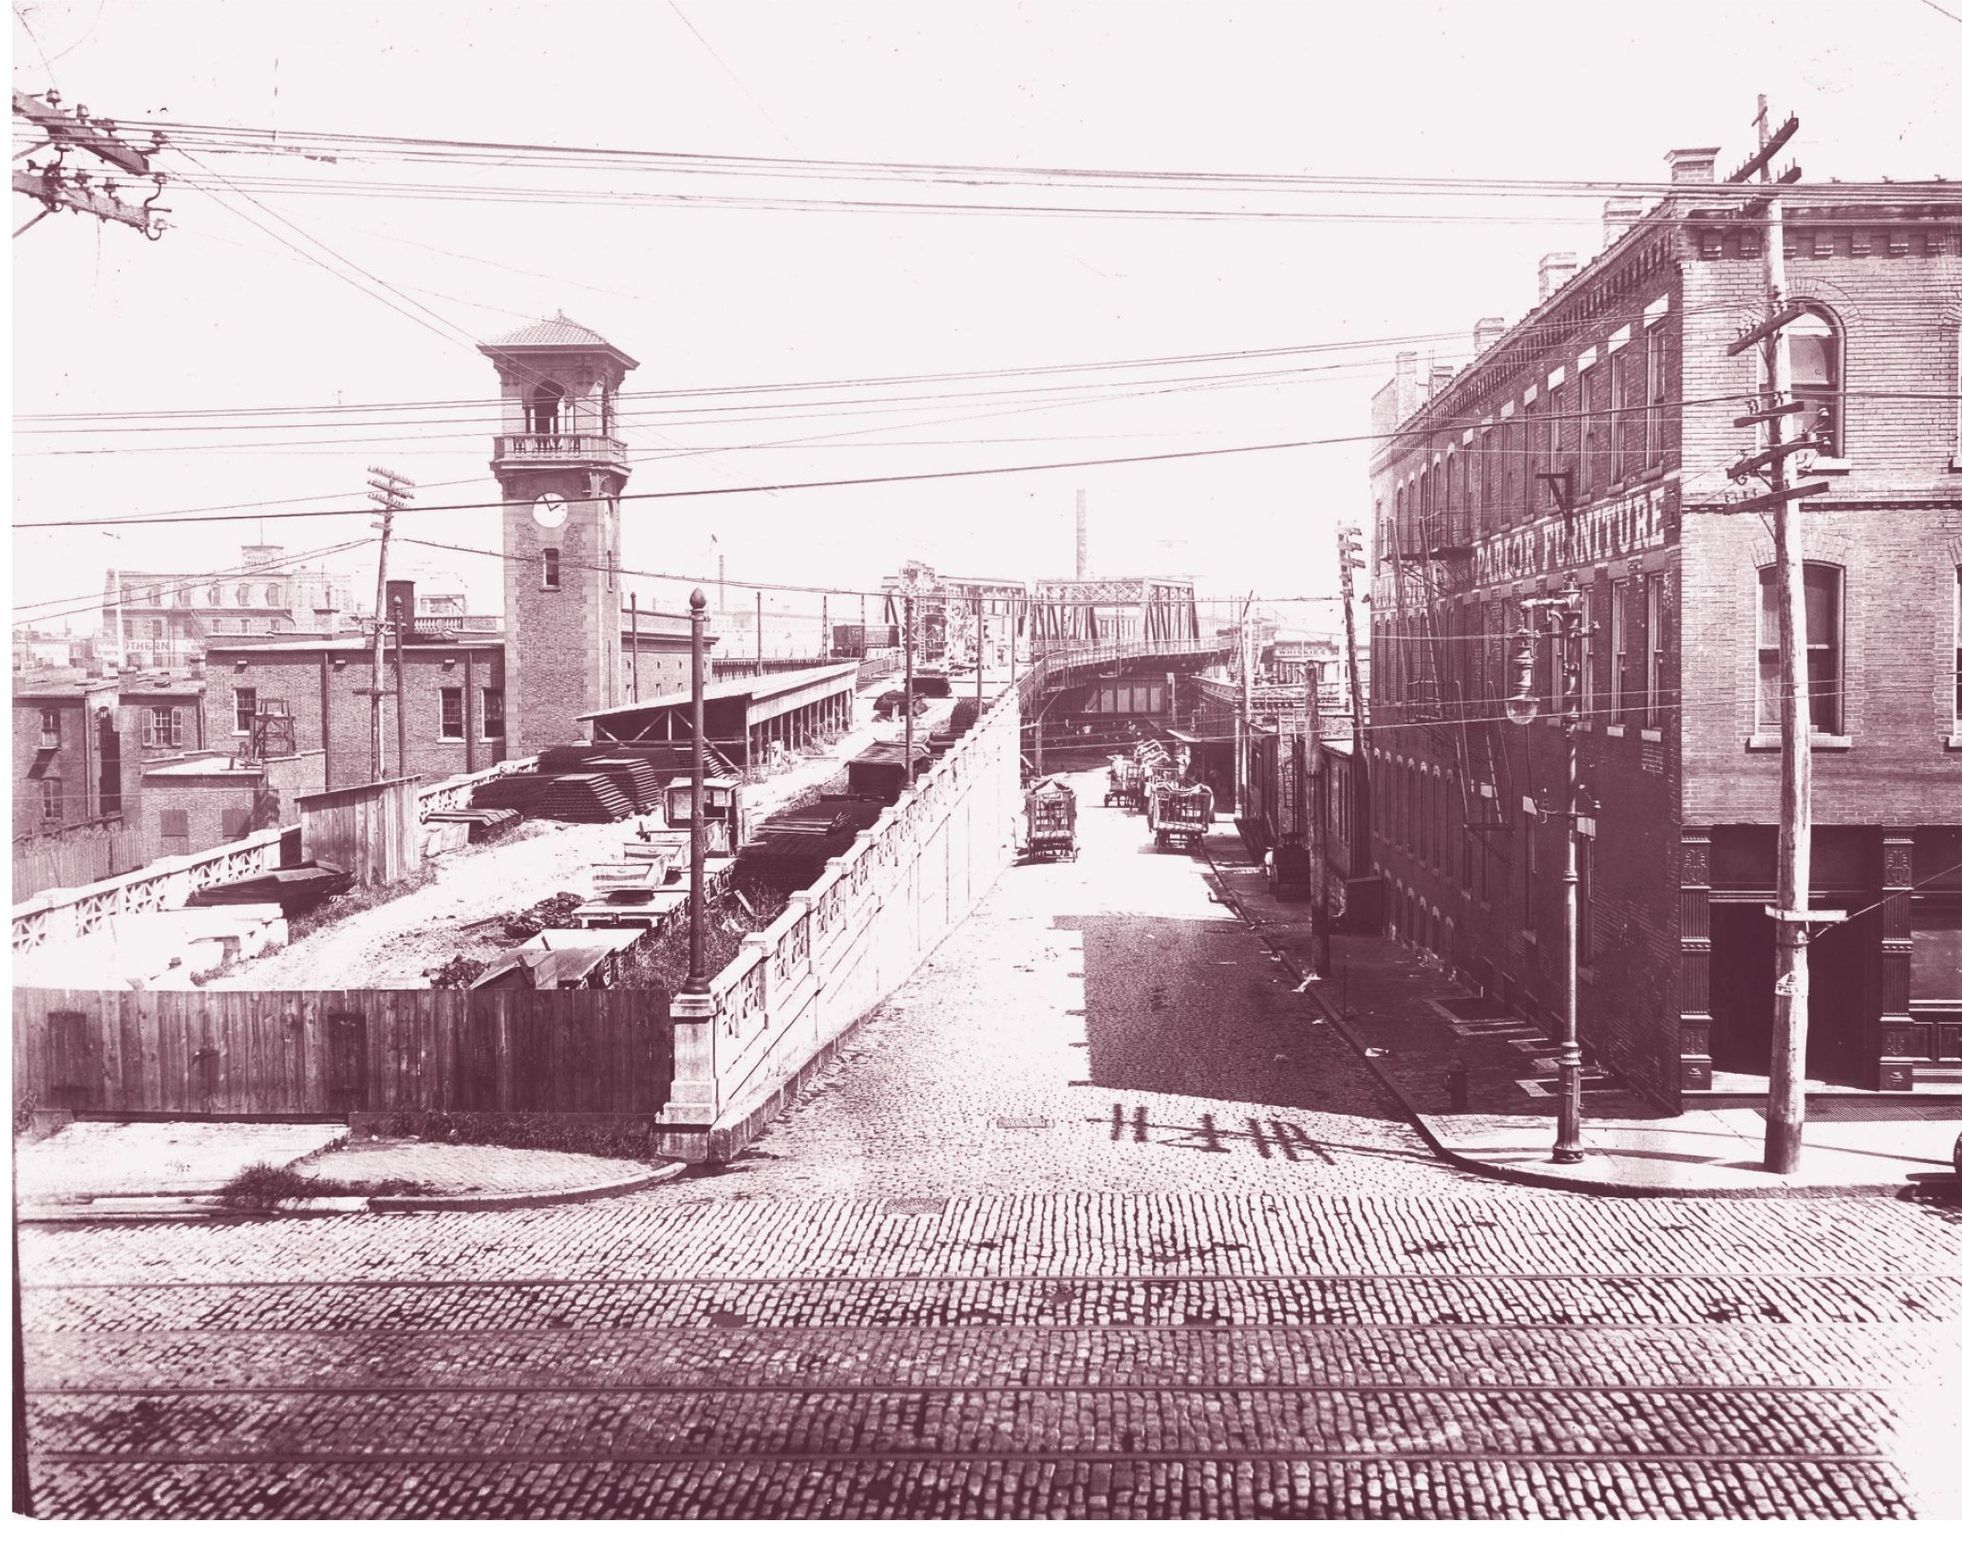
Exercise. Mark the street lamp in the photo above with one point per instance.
(1564, 629)
(695, 984)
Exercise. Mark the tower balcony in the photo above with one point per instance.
(513, 450)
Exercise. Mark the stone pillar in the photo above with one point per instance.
(1900, 1037)
(694, 1099)
(1693, 1028)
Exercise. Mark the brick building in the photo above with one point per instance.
(80, 745)
(169, 620)
(1587, 448)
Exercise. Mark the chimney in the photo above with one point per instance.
(404, 590)
(1618, 217)
(1440, 377)
(1082, 536)
(1693, 165)
(1486, 331)
(1555, 269)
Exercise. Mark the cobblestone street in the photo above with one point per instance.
(1094, 1218)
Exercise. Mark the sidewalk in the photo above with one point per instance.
(91, 1171)
(1412, 1023)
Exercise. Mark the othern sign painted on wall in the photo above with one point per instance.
(1630, 523)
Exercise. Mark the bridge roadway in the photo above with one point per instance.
(1094, 1218)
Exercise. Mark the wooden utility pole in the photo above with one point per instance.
(391, 492)
(759, 633)
(1349, 558)
(1792, 915)
(60, 189)
(402, 623)
(908, 707)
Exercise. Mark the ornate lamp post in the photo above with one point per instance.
(1565, 626)
(695, 984)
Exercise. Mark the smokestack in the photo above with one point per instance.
(1693, 165)
(1618, 217)
(1486, 331)
(1555, 269)
(1082, 536)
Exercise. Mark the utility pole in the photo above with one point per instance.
(58, 189)
(908, 707)
(1350, 557)
(759, 633)
(824, 625)
(401, 624)
(633, 656)
(1793, 914)
(391, 492)
(1243, 725)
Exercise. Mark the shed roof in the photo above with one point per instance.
(761, 691)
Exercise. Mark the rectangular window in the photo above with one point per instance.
(245, 706)
(175, 823)
(549, 569)
(1652, 654)
(1958, 650)
(1584, 901)
(493, 713)
(1618, 662)
(234, 823)
(1584, 482)
(1822, 648)
(1587, 655)
(1652, 411)
(1617, 413)
(1559, 434)
(50, 728)
(1527, 853)
(51, 800)
(452, 724)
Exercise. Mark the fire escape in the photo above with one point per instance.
(1431, 567)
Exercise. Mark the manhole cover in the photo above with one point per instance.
(1021, 1123)
(916, 1206)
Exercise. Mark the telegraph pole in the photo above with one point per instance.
(58, 189)
(908, 707)
(1349, 550)
(391, 492)
(1792, 915)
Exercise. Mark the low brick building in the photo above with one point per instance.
(80, 744)
(1587, 448)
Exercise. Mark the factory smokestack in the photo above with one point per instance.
(1082, 536)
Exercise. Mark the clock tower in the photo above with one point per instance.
(560, 469)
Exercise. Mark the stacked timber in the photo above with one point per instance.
(519, 792)
(583, 799)
(637, 779)
(484, 823)
(790, 850)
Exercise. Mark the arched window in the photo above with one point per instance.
(542, 407)
(1823, 649)
(244, 594)
(214, 595)
(272, 593)
(1816, 377)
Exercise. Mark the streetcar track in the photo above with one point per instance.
(644, 1281)
(978, 1388)
(1237, 1455)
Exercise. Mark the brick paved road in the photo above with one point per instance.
(1273, 1304)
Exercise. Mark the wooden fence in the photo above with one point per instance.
(269, 1053)
(77, 857)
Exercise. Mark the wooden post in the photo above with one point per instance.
(1785, 1109)
(401, 697)
(908, 706)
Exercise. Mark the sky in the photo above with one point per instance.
(284, 282)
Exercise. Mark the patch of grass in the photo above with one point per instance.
(629, 1138)
(353, 902)
(263, 1184)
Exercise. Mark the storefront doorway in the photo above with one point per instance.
(1842, 1030)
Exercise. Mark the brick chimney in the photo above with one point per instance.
(1440, 377)
(1555, 269)
(1618, 217)
(1486, 331)
(1693, 165)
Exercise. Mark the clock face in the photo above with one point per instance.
(549, 511)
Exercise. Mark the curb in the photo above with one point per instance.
(1597, 1186)
(196, 1207)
